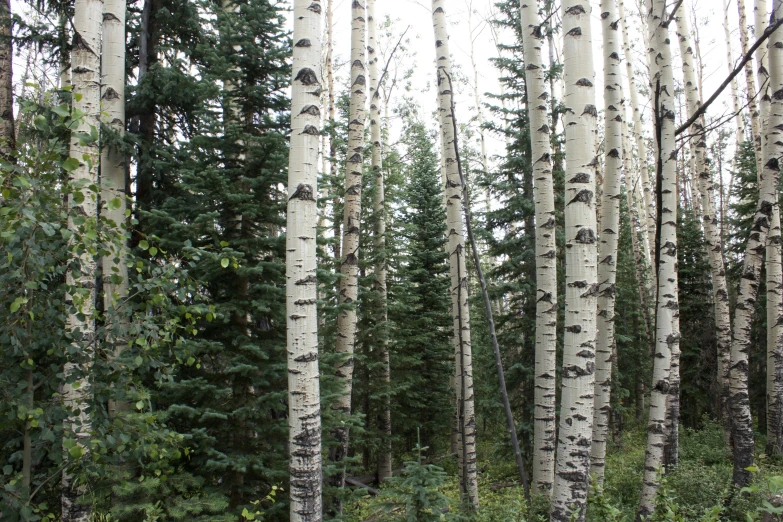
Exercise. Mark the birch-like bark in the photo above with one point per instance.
(546, 259)
(665, 369)
(578, 376)
(709, 216)
(456, 250)
(304, 401)
(112, 161)
(379, 211)
(349, 262)
(331, 111)
(7, 123)
(750, 79)
(772, 155)
(77, 388)
(742, 422)
(609, 231)
(730, 65)
(774, 269)
(641, 147)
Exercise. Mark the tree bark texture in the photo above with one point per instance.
(379, 212)
(641, 149)
(456, 251)
(609, 232)
(304, 402)
(546, 259)
(7, 124)
(712, 237)
(77, 389)
(349, 262)
(582, 288)
(750, 79)
(665, 365)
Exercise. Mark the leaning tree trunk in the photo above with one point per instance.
(456, 251)
(349, 262)
(304, 399)
(772, 154)
(667, 320)
(379, 213)
(641, 148)
(609, 231)
(7, 127)
(113, 163)
(578, 376)
(77, 388)
(546, 258)
(709, 217)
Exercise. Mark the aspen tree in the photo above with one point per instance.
(772, 154)
(641, 148)
(7, 127)
(609, 231)
(331, 111)
(112, 161)
(77, 389)
(304, 418)
(456, 250)
(546, 265)
(709, 216)
(774, 269)
(750, 79)
(667, 321)
(730, 65)
(349, 262)
(578, 375)
(379, 211)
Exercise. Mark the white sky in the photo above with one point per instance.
(417, 14)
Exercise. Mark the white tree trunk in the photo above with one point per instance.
(665, 370)
(750, 79)
(578, 376)
(456, 251)
(546, 258)
(112, 161)
(609, 231)
(349, 262)
(641, 149)
(77, 389)
(379, 211)
(730, 66)
(709, 216)
(304, 401)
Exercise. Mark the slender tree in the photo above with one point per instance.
(649, 222)
(546, 258)
(115, 265)
(609, 231)
(730, 65)
(667, 322)
(576, 410)
(7, 126)
(349, 262)
(772, 154)
(86, 77)
(709, 216)
(379, 212)
(456, 249)
(750, 80)
(304, 418)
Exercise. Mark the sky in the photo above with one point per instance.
(417, 14)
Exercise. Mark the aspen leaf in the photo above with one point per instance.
(115, 204)
(143, 244)
(153, 251)
(76, 452)
(224, 262)
(70, 164)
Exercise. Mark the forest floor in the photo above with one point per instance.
(699, 490)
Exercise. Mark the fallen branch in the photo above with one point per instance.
(353, 482)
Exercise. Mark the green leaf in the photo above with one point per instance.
(139, 405)
(224, 262)
(77, 197)
(115, 204)
(76, 452)
(61, 110)
(153, 251)
(191, 360)
(71, 164)
(144, 245)
(138, 360)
